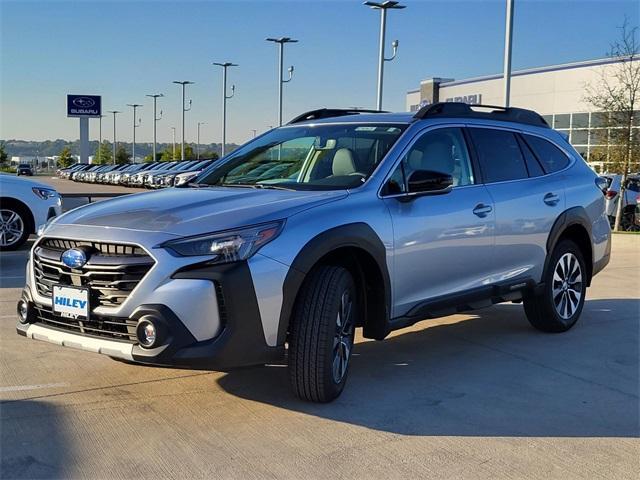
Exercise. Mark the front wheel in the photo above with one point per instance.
(322, 334)
(558, 307)
(13, 227)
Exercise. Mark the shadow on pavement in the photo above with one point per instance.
(32, 441)
(490, 374)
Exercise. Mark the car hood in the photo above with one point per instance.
(190, 211)
(22, 182)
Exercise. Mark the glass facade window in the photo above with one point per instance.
(583, 151)
(598, 136)
(548, 119)
(562, 121)
(599, 119)
(579, 137)
(580, 120)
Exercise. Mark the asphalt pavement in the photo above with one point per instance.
(480, 395)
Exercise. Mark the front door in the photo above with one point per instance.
(443, 243)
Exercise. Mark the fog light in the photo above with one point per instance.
(23, 311)
(147, 334)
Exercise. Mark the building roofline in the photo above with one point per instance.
(549, 68)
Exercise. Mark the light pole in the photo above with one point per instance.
(155, 120)
(198, 144)
(281, 41)
(225, 97)
(508, 35)
(99, 152)
(184, 83)
(173, 156)
(133, 148)
(254, 131)
(115, 112)
(383, 7)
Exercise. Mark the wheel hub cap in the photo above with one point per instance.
(567, 288)
(11, 227)
(343, 339)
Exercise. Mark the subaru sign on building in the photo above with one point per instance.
(84, 105)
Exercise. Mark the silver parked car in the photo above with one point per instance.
(340, 219)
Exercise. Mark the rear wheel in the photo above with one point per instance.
(322, 334)
(558, 307)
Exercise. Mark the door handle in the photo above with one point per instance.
(551, 199)
(482, 210)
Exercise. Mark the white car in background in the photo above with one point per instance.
(25, 205)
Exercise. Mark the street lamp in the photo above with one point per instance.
(155, 120)
(281, 41)
(173, 131)
(135, 125)
(99, 152)
(184, 83)
(383, 7)
(508, 36)
(225, 97)
(198, 144)
(114, 133)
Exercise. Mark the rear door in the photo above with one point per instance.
(527, 198)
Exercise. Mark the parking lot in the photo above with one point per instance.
(466, 396)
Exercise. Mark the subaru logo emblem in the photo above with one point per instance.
(83, 102)
(74, 258)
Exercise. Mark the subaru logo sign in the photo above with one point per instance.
(84, 106)
(83, 102)
(74, 258)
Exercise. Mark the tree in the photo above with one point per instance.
(4, 157)
(103, 153)
(209, 155)
(618, 93)
(66, 159)
(167, 155)
(149, 158)
(122, 156)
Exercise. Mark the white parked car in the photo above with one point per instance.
(24, 206)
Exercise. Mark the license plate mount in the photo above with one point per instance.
(70, 302)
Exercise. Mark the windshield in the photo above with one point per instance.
(308, 157)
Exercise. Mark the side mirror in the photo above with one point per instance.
(425, 181)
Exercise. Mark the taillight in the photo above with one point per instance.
(610, 194)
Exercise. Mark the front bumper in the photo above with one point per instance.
(239, 339)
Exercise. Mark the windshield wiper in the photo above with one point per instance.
(260, 186)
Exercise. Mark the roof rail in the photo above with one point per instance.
(330, 112)
(464, 110)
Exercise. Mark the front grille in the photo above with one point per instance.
(121, 329)
(111, 272)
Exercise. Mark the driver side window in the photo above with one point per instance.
(442, 150)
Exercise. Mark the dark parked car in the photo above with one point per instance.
(24, 169)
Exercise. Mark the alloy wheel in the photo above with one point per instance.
(343, 339)
(11, 227)
(567, 287)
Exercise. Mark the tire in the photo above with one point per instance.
(321, 334)
(557, 308)
(14, 227)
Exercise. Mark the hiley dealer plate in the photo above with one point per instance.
(71, 301)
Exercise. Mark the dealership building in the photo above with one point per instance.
(557, 92)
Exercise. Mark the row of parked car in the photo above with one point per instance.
(147, 175)
(630, 220)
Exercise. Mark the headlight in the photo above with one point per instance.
(184, 179)
(229, 246)
(44, 193)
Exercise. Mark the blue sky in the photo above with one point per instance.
(124, 50)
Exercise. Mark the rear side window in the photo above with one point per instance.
(551, 157)
(499, 155)
(534, 167)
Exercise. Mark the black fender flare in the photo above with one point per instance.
(358, 235)
(568, 218)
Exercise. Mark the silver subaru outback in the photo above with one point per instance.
(339, 219)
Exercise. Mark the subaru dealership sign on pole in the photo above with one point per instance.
(84, 107)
